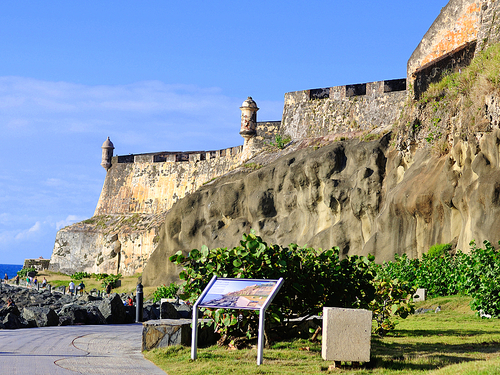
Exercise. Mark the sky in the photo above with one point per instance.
(163, 76)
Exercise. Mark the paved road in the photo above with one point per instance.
(70, 350)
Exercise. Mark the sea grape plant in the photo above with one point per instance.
(312, 279)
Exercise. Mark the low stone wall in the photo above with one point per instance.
(38, 264)
(166, 332)
(342, 109)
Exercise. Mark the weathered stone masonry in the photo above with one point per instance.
(343, 109)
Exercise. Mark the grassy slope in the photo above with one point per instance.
(453, 341)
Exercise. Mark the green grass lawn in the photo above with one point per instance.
(452, 341)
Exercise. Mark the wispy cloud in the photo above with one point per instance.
(36, 228)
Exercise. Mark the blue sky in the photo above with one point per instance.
(162, 75)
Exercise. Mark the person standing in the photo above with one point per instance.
(71, 287)
(6, 278)
(81, 287)
(44, 282)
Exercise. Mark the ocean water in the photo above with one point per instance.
(10, 269)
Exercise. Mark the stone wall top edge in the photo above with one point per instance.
(222, 152)
(339, 88)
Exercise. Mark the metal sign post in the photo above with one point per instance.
(238, 294)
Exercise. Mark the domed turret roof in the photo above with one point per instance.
(249, 103)
(107, 144)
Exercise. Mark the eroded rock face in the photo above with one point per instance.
(365, 197)
(317, 196)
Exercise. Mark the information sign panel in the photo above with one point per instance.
(239, 294)
(247, 294)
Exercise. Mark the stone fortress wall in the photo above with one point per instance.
(139, 189)
(350, 109)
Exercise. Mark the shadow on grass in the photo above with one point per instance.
(440, 332)
(402, 356)
(435, 362)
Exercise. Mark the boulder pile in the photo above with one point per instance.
(33, 308)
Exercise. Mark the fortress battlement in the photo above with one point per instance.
(178, 156)
(370, 89)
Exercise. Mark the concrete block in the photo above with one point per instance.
(420, 295)
(346, 334)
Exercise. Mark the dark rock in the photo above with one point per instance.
(185, 311)
(94, 315)
(150, 312)
(41, 316)
(168, 311)
(76, 313)
(65, 321)
(112, 309)
(12, 321)
(130, 314)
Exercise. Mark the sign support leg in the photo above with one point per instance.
(260, 346)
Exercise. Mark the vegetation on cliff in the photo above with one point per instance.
(454, 109)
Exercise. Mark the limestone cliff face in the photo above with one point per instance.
(106, 244)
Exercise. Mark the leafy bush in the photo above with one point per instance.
(81, 275)
(438, 250)
(111, 279)
(99, 276)
(312, 279)
(280, 142)
(24, 271)
(392, 298)
(164, 291)
(476, 273)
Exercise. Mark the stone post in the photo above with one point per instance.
(248, 127)
(107, 154)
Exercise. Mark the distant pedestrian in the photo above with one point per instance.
(71, 287)
(6, 278)
(44, 282)
(81, 287)
(35, 281)
(17, 279)
(108, 289)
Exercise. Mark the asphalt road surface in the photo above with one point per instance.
(70, 350)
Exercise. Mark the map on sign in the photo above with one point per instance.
(239, 294)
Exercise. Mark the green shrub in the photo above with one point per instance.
(99, 276)
(312, 279)
(280, 142)
(111, 279)
(164, 291)
(24, 271)
(392, 298)
(476, 273)
(438, 250)
(80, 275)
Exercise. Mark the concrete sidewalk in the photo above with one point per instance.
(103, 349)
